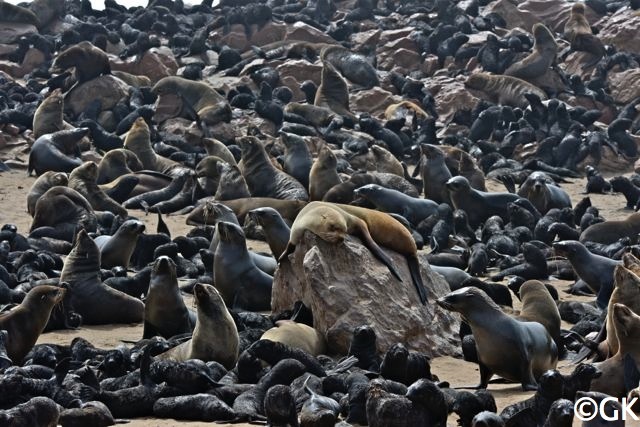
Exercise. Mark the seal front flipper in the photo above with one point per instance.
(414, 268)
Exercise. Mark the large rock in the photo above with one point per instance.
(625, 86)
(554, 13)
(346, 286)
(156, 63)
(109, 89)
(621, 30)
(450, 95)
(513, 16)
(374, 101)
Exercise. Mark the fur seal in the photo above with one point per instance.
(263, 179)
(276, 231)
(97, 303)
(333, 92)
(297, 335)
(44, 182)
(164, 311)
(210, 107)
(56, 151)
(435, 174)
(232, 184)
(208, 174)
(38, 411)
(215, 336)
(539, 306)
(60, 211)
(218, 149)
(626, 291)
(504, 90)
(288, 209)
(240, 282)
(116, 163)
(87, 60)
(352, 65)
(83, 180)
(138, 140)
(297, 158)
(478, 205)
(626, 326)
(116, 250)
(331, 222)
(48, 117)
(26, 322)
(542, 192)
(392, 201)
(577, 31)
(515, 350)
(611, 231)
(323, 174)
(18, 14)
(539, 61)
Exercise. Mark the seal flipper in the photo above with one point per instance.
(289, 250)
(162, 226)
(375, 249)
(586, 351)
(414, 268)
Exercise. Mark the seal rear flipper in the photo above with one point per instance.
(631, 373)
(375, 249)
(416, 277)
(162, 227)
(587, 350)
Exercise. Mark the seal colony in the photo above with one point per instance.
(432, 134)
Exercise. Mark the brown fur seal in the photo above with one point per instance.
(333, 92)
(626, 326)
(539, 306)
(289, 209)
(332, 222)
(232, 184)
(297, 335)
(164, 311)
(56, 151)
(88, 61)
(44, 182)
(263, 179)
(539, 61)
(97, 303)
(317, 116)
(626, 292)
(26, 322)
(215, 336)
(504, 90)
(48, 117)
(116, 163)
(211, 107)
(61, 210)
(218, 149)
(352, 65)
(468, 168)
(116, 250)
(208, 175)
(435, 174)
(611, 231)
(515, 350)
(577, 31)
(401, 109)
(138, 140)
(324, 174)
(386, 162)
(83, 180)
(17, 14)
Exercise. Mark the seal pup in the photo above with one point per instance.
(44, 182)
(165, 313)
(504, 90)
(240, 282)
(515, 350)
(138, 140)
(215, 337)
(577, 31)
(539, 61)
(323, 174)
(97, 303)
(56, 151)
(209, 106)
(83, 179)
(262, 178)
(116, 250)
(26, 322)
(332, 222)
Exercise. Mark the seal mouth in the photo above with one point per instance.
(442, 302)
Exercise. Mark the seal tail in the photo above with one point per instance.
(414, 268)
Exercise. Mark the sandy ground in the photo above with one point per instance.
(16, 184)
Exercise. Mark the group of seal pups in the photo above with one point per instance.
(269, 160)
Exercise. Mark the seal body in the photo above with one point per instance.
(323, 174)
(116, 250)
(611, 231)
(515, 350)
(504, 90)
(539, 61)
(297, 335)
(44, 182)
(56, 151)
(215, 336)
(88, 61)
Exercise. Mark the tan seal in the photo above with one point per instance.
(626, 291)
(611, 231)
(116, 163)
(504, 90)
(324, 174)
(83, 180)
(48, 117)
(26, 322)
(44, 182)
(539, 306)
(297, 335)
(577, 31)
(138, 140)
(215, 336)
(386, 162)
